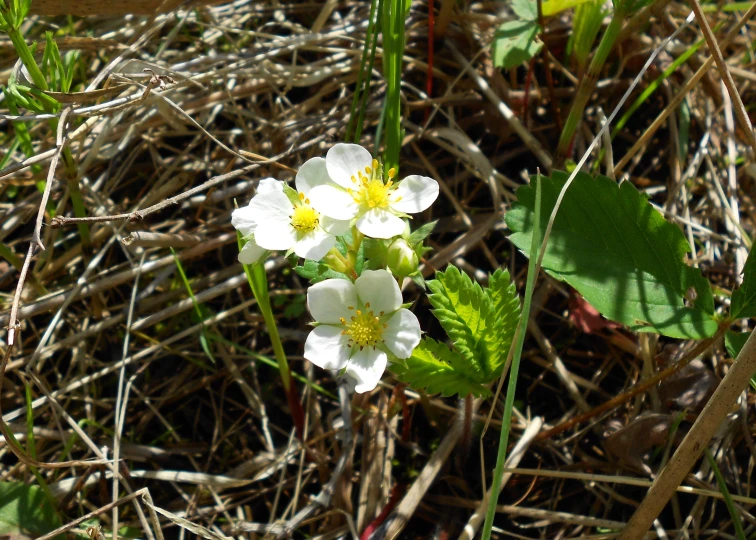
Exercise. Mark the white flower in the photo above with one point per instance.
(276, 222)
(361, 194)
(358, 324)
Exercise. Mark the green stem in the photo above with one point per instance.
(258, 282)
(588, 84)
(371, 62)
(393, 53)
(361, 77)
(27, 57)
(515, 353)
(352, 254)
(77, 201)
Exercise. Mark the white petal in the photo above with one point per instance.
(327, 348)
(276, 235)
(271, 205)
(312, 173)
(379, 289)
(402, 333)
(267, 185)
(244, 220)
(328, 300)
(336, 227)
(314, 245)
(367, 366)
(380, 223)
(251, 253)
(415, 194)
(333, 202)
(345, 160)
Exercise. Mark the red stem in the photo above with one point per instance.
(396, 494)
(297, 412)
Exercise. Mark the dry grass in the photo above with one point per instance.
(200, 106)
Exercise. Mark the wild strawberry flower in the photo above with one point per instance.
(361, 194)
(358, 324)
(277, 221)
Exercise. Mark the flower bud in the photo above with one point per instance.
(401, 258)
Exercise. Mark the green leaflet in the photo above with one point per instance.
(480, 322)
(744, 297)
(462, 308)
(24, 510)
(502, 318)
(527, 10)
(514, 43)
(612, 246)
(438, 369)
(317, 272)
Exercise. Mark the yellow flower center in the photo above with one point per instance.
(370, 191)
(305, 218)
(364, 328)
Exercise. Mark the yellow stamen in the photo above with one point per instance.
(305, 218)
(365, 329)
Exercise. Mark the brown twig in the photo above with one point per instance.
(699, 349)
(740, 112)
(681, 94)
(139, 215)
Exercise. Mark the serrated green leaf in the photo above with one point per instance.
(744, 297)
(24, 510)
(502, 319)
(527, 10)
(462, 307)
(316, 272)
(514, 43)
(421, 233)
(438, 369)
(612, 246)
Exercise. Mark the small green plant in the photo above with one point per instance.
(26, 511)
(515, 41)
(55, 74)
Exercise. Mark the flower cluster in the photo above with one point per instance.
(359, 320)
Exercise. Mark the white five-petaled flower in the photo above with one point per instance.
(358, 323)
(274, 221)
(361, 195)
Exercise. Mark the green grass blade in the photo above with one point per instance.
(516, 354)
(585, 27)
(197, 310)
(368, 75)
(393, 14)
(739, 532)
(651, 88)
(363, 79)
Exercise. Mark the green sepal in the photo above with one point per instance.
(292, 194)
(316, 272)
